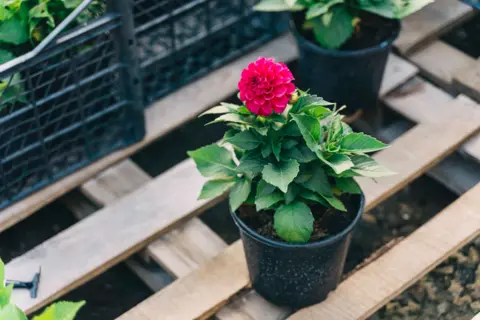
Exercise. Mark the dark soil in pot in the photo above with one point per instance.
(351, 75)
(298, 275)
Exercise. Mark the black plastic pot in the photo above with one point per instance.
(347, 77)
(297, 275)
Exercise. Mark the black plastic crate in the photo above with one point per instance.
(180, 40)
(66, 104)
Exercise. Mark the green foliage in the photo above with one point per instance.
(62, 310)
(294, 222)
(24, 24)
(286, 163)
(333, 21)
(8, 311)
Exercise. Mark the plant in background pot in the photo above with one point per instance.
(344, 44)
(63, 310)
(289, 162)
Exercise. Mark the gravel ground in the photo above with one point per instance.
(450, 292)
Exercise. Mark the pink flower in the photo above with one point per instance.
(266, 86)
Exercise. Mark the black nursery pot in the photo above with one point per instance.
(347, 77)
(297, 275)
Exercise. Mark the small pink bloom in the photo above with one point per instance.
(266, 86)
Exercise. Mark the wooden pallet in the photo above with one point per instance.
(134, 212)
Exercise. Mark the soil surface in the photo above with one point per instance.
(328, 221)
(466, 37)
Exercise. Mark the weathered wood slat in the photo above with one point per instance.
(397, 72)
(439, 62)
(369, 289)
(162, 117)
(110, 235)
(422, 102)
(200, 293)
(467, 80)
(425, 25)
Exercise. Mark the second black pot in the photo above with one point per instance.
(347, 77)
(298, 275)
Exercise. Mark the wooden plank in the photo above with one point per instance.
(467, 80)
(201, 292)
(439, 62)
(456, 172)
(397, 71)
(425, 25)
(366, 291)
(113, 233)
(162, 117)
(422, 102)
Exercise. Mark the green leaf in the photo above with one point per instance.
(239, 193)
(13, 31)
(320, 8)
(360, 142)
(222, 108)
(338, 162)
(264, 188)
(398, 9)
(291, 129)
(214, 161)
(281, 174)
(251, 165)
(368, 167)
(267, 150)
(267, 201)
(5, 294)
(315, 197)
(72, 4)
(289, 143)
(12, 312)
(348, 185)
(245, 140)
(5, 56)
(308, 100)
(318, 112)
(229, 117)
(276, 5)
(311, 130)
(292, 192)
(318, 181)
(40, 11)
(334, 30)
(294, 222)
(214, 188)
(334, 202)
(276, 148)
(302, 154)
(63, 310)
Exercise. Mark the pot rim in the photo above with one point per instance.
(331, 52)
(322, 243)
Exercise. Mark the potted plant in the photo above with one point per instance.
(289, 162)
(8, 311)
(344, 44)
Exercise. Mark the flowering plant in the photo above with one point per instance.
(286, 151)
(333, 21)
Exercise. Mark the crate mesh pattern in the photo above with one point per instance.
(181, 40)
(60, 111)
